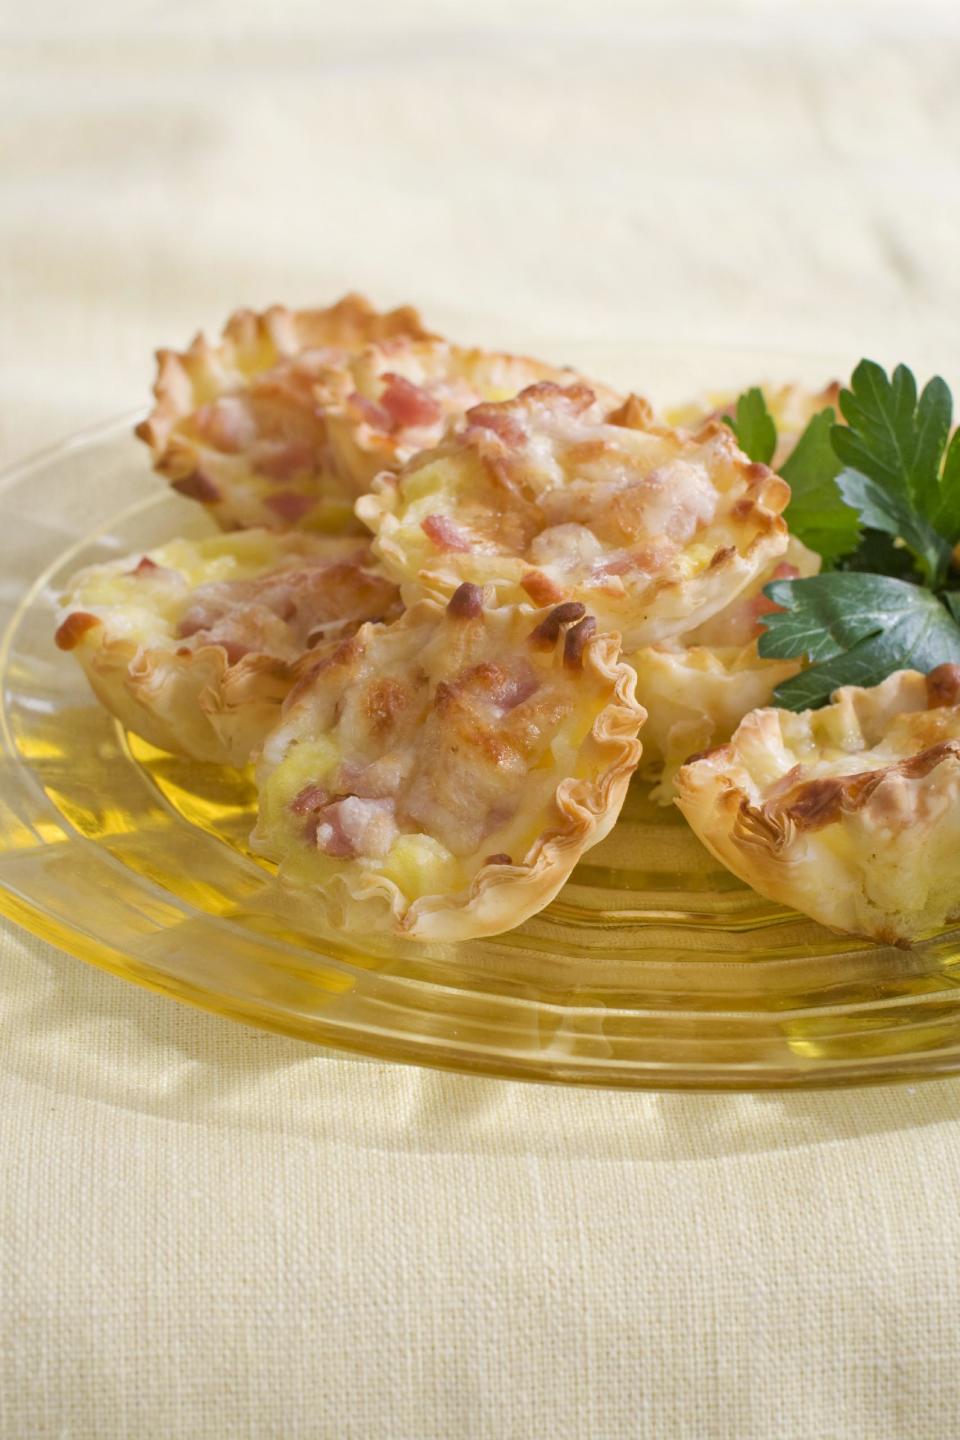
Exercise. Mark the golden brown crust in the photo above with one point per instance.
(73, 628)
(943, 686)
(252, 343)
(549, 496)
(809, 805)
(236, 426)
(447, 664)
(849, 813)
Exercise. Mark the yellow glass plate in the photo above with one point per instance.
(654, 967)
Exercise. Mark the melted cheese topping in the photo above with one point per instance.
(400, 396)
(861, 731)
(252, 593)
(550, 496)
(238, 427)
(423, 751)
(287, 421)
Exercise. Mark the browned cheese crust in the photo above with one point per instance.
(237, 425)
(849, 813)
(554, 496)
(441, 776)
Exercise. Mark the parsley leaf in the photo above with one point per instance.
(816, 513)
(892, 446)
(878, 554)
(893, 470)
(754, 426)
(855, 629)
(884, 510)
(946, 513)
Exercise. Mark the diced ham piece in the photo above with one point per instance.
(494, 684)
(616, 565)
(671, 502)
(289, 505)
(145, 566)
(197, 618)
(541, 589)
(498, 421)
(517, 685)
(375, 414)
(323, 830)
(278, 461)
(645, 559)
(310, 798)
(73, 629)
(442, 532)
(235, 649)
(409, 405)
(197, 486)
(227, 424)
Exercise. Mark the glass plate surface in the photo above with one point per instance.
(653, 967)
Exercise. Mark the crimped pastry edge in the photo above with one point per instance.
(276, 333)
(500, 897)
(728, 573)
(764, 844)
(190, 702)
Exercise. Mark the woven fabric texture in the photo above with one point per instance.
(210, 1232)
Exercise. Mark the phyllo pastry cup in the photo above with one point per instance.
(552, 496)
(698, 687)
(441, 776)
(194, 645)
(238, 427)
(850, 813)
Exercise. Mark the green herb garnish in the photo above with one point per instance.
(754, 426)
(900, 475)
(855, 629)
(817, 514)
(879, 499)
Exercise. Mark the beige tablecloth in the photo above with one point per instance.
(210, 1232)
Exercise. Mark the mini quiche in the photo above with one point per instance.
(792, 406)
(195, 645)
(442, 775)
(238, 427)
(553, 496)
(398, 396)
(698, 688)
(850, 813)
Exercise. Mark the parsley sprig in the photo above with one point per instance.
(879, 499)
(816, 514)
